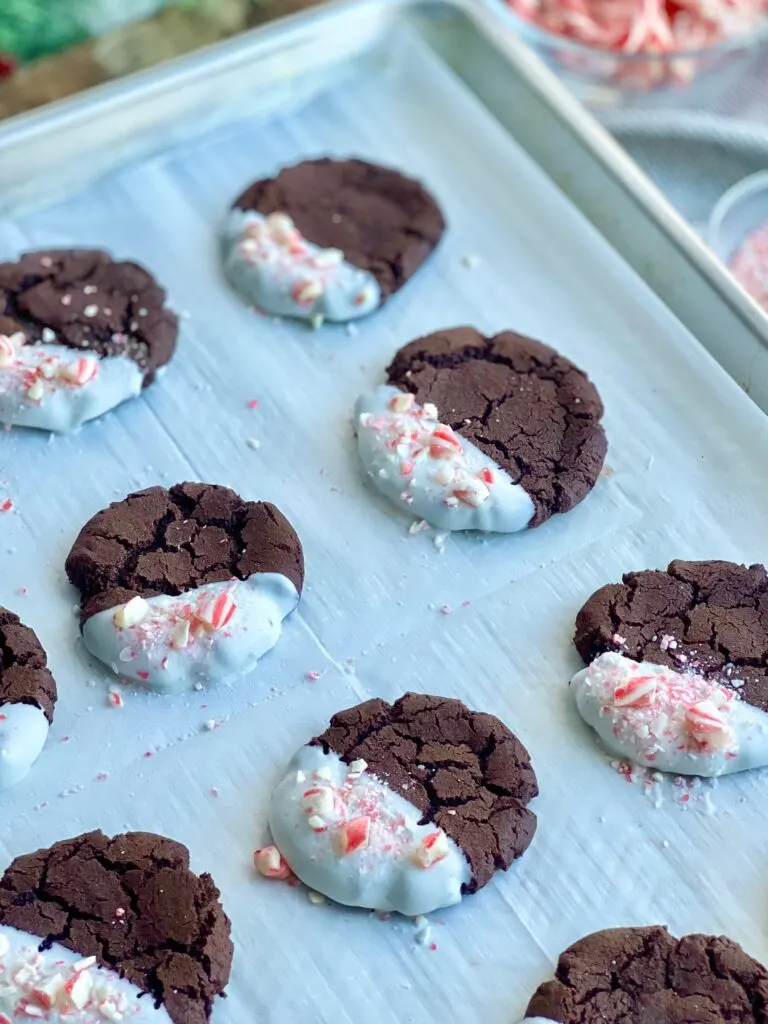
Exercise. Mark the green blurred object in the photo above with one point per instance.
(35, 28)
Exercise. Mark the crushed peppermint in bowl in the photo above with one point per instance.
(738, 234)
(611, 50)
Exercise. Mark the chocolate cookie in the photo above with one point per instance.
(123, 927)
(329, 239)
(645, 976)
(405, 806)
(475, 433)
(678, 676)
(79, 334)
(27, 698)
(185, 584)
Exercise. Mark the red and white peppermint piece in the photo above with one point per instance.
(707, 724)
(432, 849)
(402, 403)
(217, 613)
(79, 987)
(316, 823)
(179, 638)
(318, 800)
(270, 863)
(636, 692)
(364, 296)
(131, 613)
(80, 372)
(307, 292)
(36, 390)
(353, 835)
(444, 444)
(281, 226)
(47, 994)
(472, 492)
(7, 352)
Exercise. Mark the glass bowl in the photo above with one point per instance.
(739, 217)
(603, 78)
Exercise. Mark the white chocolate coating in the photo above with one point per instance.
(270, 265)
(62, 987)
(671, 721)
(40, 387)
(427, 470)
(171, 643)
(321, 802)
(23, 732)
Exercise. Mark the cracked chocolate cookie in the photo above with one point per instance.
(79, 334)
(645, 976)
(678, 674)
(405, 806)
(27, 698)
(474, 433)
(185, 585)
(328, 239)
(98, 929)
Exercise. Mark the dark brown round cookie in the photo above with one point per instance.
(24, 674)
(84, 299)
(524, 406)
(708, 617)
(383, 222)
(465, 771)
(133, 903)
(162, 541)
(645, 976)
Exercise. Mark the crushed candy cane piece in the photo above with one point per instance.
(180, 635)
(217, 613)
(7, 351)
(432, 849)
(636, 692)
(353, 834)
(644, 26)
(749, 265)
(131, 613)
(36, 390)
(270, 863)
(707, 725)
(80, 372)
(318, 800)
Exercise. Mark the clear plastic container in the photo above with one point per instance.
(602, 78)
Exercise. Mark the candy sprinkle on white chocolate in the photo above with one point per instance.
(346, 834)
(61, 987)
(272, 266)
(51, 387)
(214, 633)
(672, 721)
(423, 465)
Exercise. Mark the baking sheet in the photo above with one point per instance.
(685, 478)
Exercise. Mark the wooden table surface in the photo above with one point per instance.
(169, 34)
